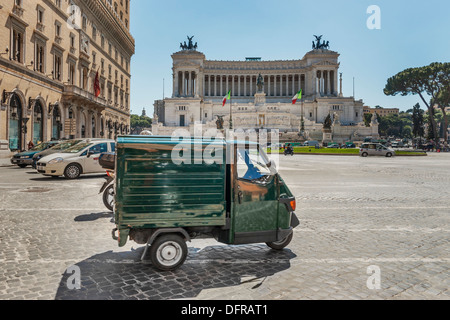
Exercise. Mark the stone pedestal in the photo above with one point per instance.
(260, 98)
(327, 135)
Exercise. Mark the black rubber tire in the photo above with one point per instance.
(389, 155)
(106, 194)
(280, 245)
(365, 155)
(22, 166)
(72, 171)
(168, 252)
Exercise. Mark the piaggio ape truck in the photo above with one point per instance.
(172, 190)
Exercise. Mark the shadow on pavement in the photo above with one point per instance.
(122, 276)
(83, 177)
(94, 216)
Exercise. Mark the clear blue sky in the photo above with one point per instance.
(413, 33)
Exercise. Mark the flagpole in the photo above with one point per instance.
(231, 113)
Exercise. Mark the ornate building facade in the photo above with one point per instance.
(261, 95)
(53, 55)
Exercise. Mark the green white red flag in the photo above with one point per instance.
(226, 98)
(297, 97)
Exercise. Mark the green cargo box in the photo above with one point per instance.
(158, 193)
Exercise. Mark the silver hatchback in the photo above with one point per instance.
(376, 149)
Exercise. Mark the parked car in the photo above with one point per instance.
(376, 149)
(333, 146)
(25, 159)
(82, 158)
(312, 143)
(349, 145)
(56, 149)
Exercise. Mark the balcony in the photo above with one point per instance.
(74, 94)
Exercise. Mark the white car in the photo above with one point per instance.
(80, 159)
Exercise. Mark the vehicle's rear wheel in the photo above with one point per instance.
(72, 171)
(108, 197)
(280, 245)
(365, 155)
(168, 252)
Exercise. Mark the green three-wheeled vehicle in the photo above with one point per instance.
(171, 190)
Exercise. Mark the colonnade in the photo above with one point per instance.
(326, 82)
(247, 85)
(187, 84)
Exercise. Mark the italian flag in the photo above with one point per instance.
(227, 97)
(298, 96)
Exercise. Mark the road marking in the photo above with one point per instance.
(368, 208)
(398, 229)
(51, 209)
(244, 261)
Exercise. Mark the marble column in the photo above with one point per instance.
(183, 84)
(239, 85)
(281, 85)
(245, 85)
(328, 82)
(287, 85)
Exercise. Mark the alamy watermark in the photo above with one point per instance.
(207, 146)
(374, 279)
(75, 20)
(374, 20)
(74, 280)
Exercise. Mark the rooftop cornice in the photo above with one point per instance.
(111, 21)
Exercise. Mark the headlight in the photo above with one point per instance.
(25, 157)
(56, 160)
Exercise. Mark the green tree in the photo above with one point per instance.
(138, 123)
(443, 102)
(418, 129)
(397, 125)
(429, 80)
(368, 119)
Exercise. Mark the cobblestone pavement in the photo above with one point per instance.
(357, 215)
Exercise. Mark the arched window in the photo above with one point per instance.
(38, 123)
(56, 124)
(15, 123)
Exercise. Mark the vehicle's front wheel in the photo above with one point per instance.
(280, 245)
(72, 171)
(168, 252)
(389, 155)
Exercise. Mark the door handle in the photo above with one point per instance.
(240, 194)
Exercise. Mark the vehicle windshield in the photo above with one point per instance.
(40, 147)
(253, 164)
(65, 145)
(78, 147)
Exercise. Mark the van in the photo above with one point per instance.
(376, 149)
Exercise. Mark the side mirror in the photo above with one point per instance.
(272, 165)
(89, 154)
